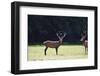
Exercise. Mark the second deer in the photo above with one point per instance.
(85, 41)
(54, 44)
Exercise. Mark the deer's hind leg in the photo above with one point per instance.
(45, 50)
(86, 50)
(56, 51)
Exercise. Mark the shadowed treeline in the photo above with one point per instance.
(41, 28)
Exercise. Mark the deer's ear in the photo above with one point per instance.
(65, 34)
(56, 33)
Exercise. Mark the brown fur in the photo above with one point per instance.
(85, 42)
(54, 44)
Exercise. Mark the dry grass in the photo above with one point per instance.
(64, 52)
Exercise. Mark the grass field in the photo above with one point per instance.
(36, 52)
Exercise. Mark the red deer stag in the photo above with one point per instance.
(54, 44)
(85, 41)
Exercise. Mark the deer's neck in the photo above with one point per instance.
(60, 41)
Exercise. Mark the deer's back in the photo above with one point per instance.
(51, 44)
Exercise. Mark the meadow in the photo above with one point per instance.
(36, 52)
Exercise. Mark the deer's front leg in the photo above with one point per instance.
(56, 51)
(85, 50)
(45, 50)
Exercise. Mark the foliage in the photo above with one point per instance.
(41, 28)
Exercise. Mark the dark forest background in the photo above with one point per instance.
(42, 28)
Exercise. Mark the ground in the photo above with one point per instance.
(36, 52)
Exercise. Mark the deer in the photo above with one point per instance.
(54, 44)
(84, 41)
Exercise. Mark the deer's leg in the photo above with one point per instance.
(56, 51)
(45, 50)
(85, 50)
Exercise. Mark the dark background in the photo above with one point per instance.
(42, 28)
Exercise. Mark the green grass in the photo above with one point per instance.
(36, 52)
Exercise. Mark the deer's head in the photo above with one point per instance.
(84, 37)
(61, 36)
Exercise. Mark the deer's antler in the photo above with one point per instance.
(64, 35)
(58, 35)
